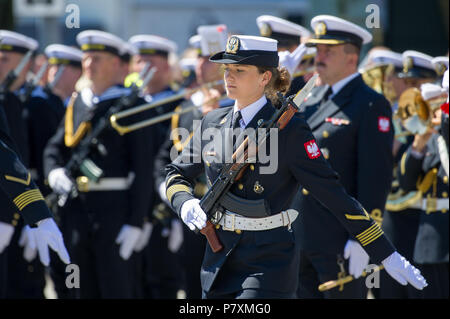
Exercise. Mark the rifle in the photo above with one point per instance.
(13, 74)
(50, 86)
(232, 172)
(31, 85)
(79, 161)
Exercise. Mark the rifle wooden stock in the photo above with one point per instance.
(211, 237)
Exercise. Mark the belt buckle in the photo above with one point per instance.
(233, 217)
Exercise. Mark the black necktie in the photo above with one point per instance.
(236, 127)
(327, 95)
(236, 119)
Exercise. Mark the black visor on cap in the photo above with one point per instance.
(250, 57)
(418, 72)
(334, 37)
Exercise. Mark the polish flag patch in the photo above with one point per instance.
(383, 124)
(312, 149)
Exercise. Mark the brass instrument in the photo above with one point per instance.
(121, 129)
(376, 76)
(414, 112)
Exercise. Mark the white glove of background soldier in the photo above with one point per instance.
(176, 236)
(48, 234)
(59, 181)
(144, 237)
(28, 242)
(401, 270)
(291, 60)
(358, 258)
(127, 239)
(6, 232)
(193, 215)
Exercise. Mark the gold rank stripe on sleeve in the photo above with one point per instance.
(27, 198)
(171, 178)
(358, 217)
(369, 235)
(19, 180)
(172, 190)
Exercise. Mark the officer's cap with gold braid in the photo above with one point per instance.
(285, 32)
(153, 44)
(59, 54)
(440, 64)
(213, 38)
(246, 49)
(333, 31)
(15, 42)
(95, 40)
(417, 65)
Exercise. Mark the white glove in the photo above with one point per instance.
(48, 234)
(144, 237)
(28, 242)
(127, 239)
(6, 232)
(176, 236)
(358, 258)
(193, 215)
(291, 60)
(401, 270)
(59, 181)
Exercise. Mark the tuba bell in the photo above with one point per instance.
(414, 112)
(375, 76)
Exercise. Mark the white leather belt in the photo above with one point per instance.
(441, 203)
(109, 184)
(231, 221)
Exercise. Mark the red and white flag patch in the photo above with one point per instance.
(312, 149)
(383, 124)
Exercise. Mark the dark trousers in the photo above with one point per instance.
(193, 250)
(162, 272)
(90, 234)
(318, 268)
(391, 289)
(26, 280)
(3, 273)
(437, 279)
(252, 294)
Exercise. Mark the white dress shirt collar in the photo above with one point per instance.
(249, 112)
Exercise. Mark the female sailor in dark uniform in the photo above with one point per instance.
(259, 258)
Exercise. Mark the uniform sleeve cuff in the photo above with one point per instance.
(35, 212)
(179, 200)
(379, 249)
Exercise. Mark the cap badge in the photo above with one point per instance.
(407, 64)
(265, 30)
(233, 45)
(440, 68)
(321, 29)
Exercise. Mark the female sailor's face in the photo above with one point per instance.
(244, 82)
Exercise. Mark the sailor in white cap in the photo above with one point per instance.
(69, 60)
(259, 257)
(333, 111)
(289, 36)
(418, 67)
(156, 50)
(427, 158)
(108, 215)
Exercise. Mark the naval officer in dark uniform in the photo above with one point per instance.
(259, 258)
(353, 127)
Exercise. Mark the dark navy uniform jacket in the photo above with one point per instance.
(267, 260)
(354, 132)
(43, 113)
(131, 153)
(431, 245)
